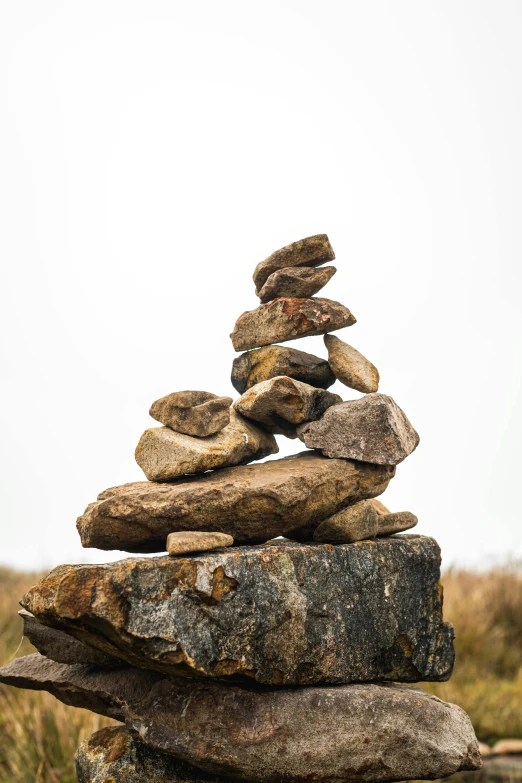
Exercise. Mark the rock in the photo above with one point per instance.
(272, 360)
(194, 413)
(295, 281)
(373, 429)
(354, 523)
(288, 319)
(364, 732)
(351, 367)
(388, 524)
(292, 614)
(251, 503)
(379, 507)
(192, 541)
(506, 747)
(164, 455)
(311, 251)
(484, 749)
(280, 404)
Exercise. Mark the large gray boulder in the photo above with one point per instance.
(311, 251)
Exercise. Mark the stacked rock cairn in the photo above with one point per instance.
(275, 640)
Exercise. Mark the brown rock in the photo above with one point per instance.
(296, 282)
(272, 360)
(288, 319)
(312, 251)
(506, 747)
(192, 541)
(388, 524)
(251, 503)
(351, 367)
(484, 749)
(164, 455)
(372, 429)
(379, 507)
(279, 404)
(354, 523)
(194, 413)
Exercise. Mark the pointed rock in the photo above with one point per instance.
(272, 360)
(311, 251)
(351, 367)
(354, 523)
(296, 282)
(194, 413)
(388, 524)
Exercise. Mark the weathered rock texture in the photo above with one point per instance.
(251, 503)
(290, 614)
(288, 319)
(366, 733)
(354, 523)
(195, 413)
(280, 404)
(296, 281)
(272, 360)
(396, 523)
(164, 455)
(311, 251)
(372, 429)
(192, 541)
(350, 366)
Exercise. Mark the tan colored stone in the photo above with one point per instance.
(484, 749)
(388, 524)
(311, 251)
(196, 413)
(164, 455)
(288, 319)
(296, 282)
(272, 360)
(379, 507)
(354, 523)
(351, 367)
(196, 541)
(506, 747)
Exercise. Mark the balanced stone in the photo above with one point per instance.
(195, 413)
(311, 251)
(163, 454)
(288, 319)
(287, 614)
(362, 733)
(296, 281)
(372, 429)
(281, 403)
(354, 523)
(192, 541)
(251, 503)
(351, 367)
(272, 360)
(389, 524)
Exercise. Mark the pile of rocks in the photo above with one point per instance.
(264, 658)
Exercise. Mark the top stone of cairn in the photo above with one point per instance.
(311, 251)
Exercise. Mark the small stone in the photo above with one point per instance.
(164, 455)
(195, 541)
(272, 360)
(282, 403)
(373, 429)
(354, 523)
(484, 749)
(311, 251)
(196, 413)
(379, 507)
(295, 281)
(505, 747)
(351, 367)
(288, 319)
(388, 524)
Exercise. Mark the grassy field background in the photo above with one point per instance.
(39, 735)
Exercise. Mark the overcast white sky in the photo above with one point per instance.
(151, 153)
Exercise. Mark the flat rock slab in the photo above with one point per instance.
(311, 251)
(164, 455)
(251, 503)
(272, 360)
(288, 319)
(295, 281)
(351, 367)
(373, 429)
(196, 413)
(280, 404)
(350, 733)
(285, 614)
(192, 541)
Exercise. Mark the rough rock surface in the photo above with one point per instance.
(281, 403)
(295, 281)
(388, 524)
(164, 455)
(354, 523)
(354, 733)
(311, 251)
(272, 360)
(282, 615)
(195, 413)
(288, 319)
(251, 503)
(192, 541)
(351, 367)
(372, 429)
(379, 507)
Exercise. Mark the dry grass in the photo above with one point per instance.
(39, 735)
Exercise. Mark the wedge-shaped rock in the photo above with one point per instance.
(282, 403)
(251, 503)
(354, 523)
(192, 541)
(351, 367)
(195, 413)
(288, 319)
(311, 251)
(272, 360)
(389, 524)
(164, 455)
(283, 614)
(300, 282)
(349, 733)
(372, 429)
